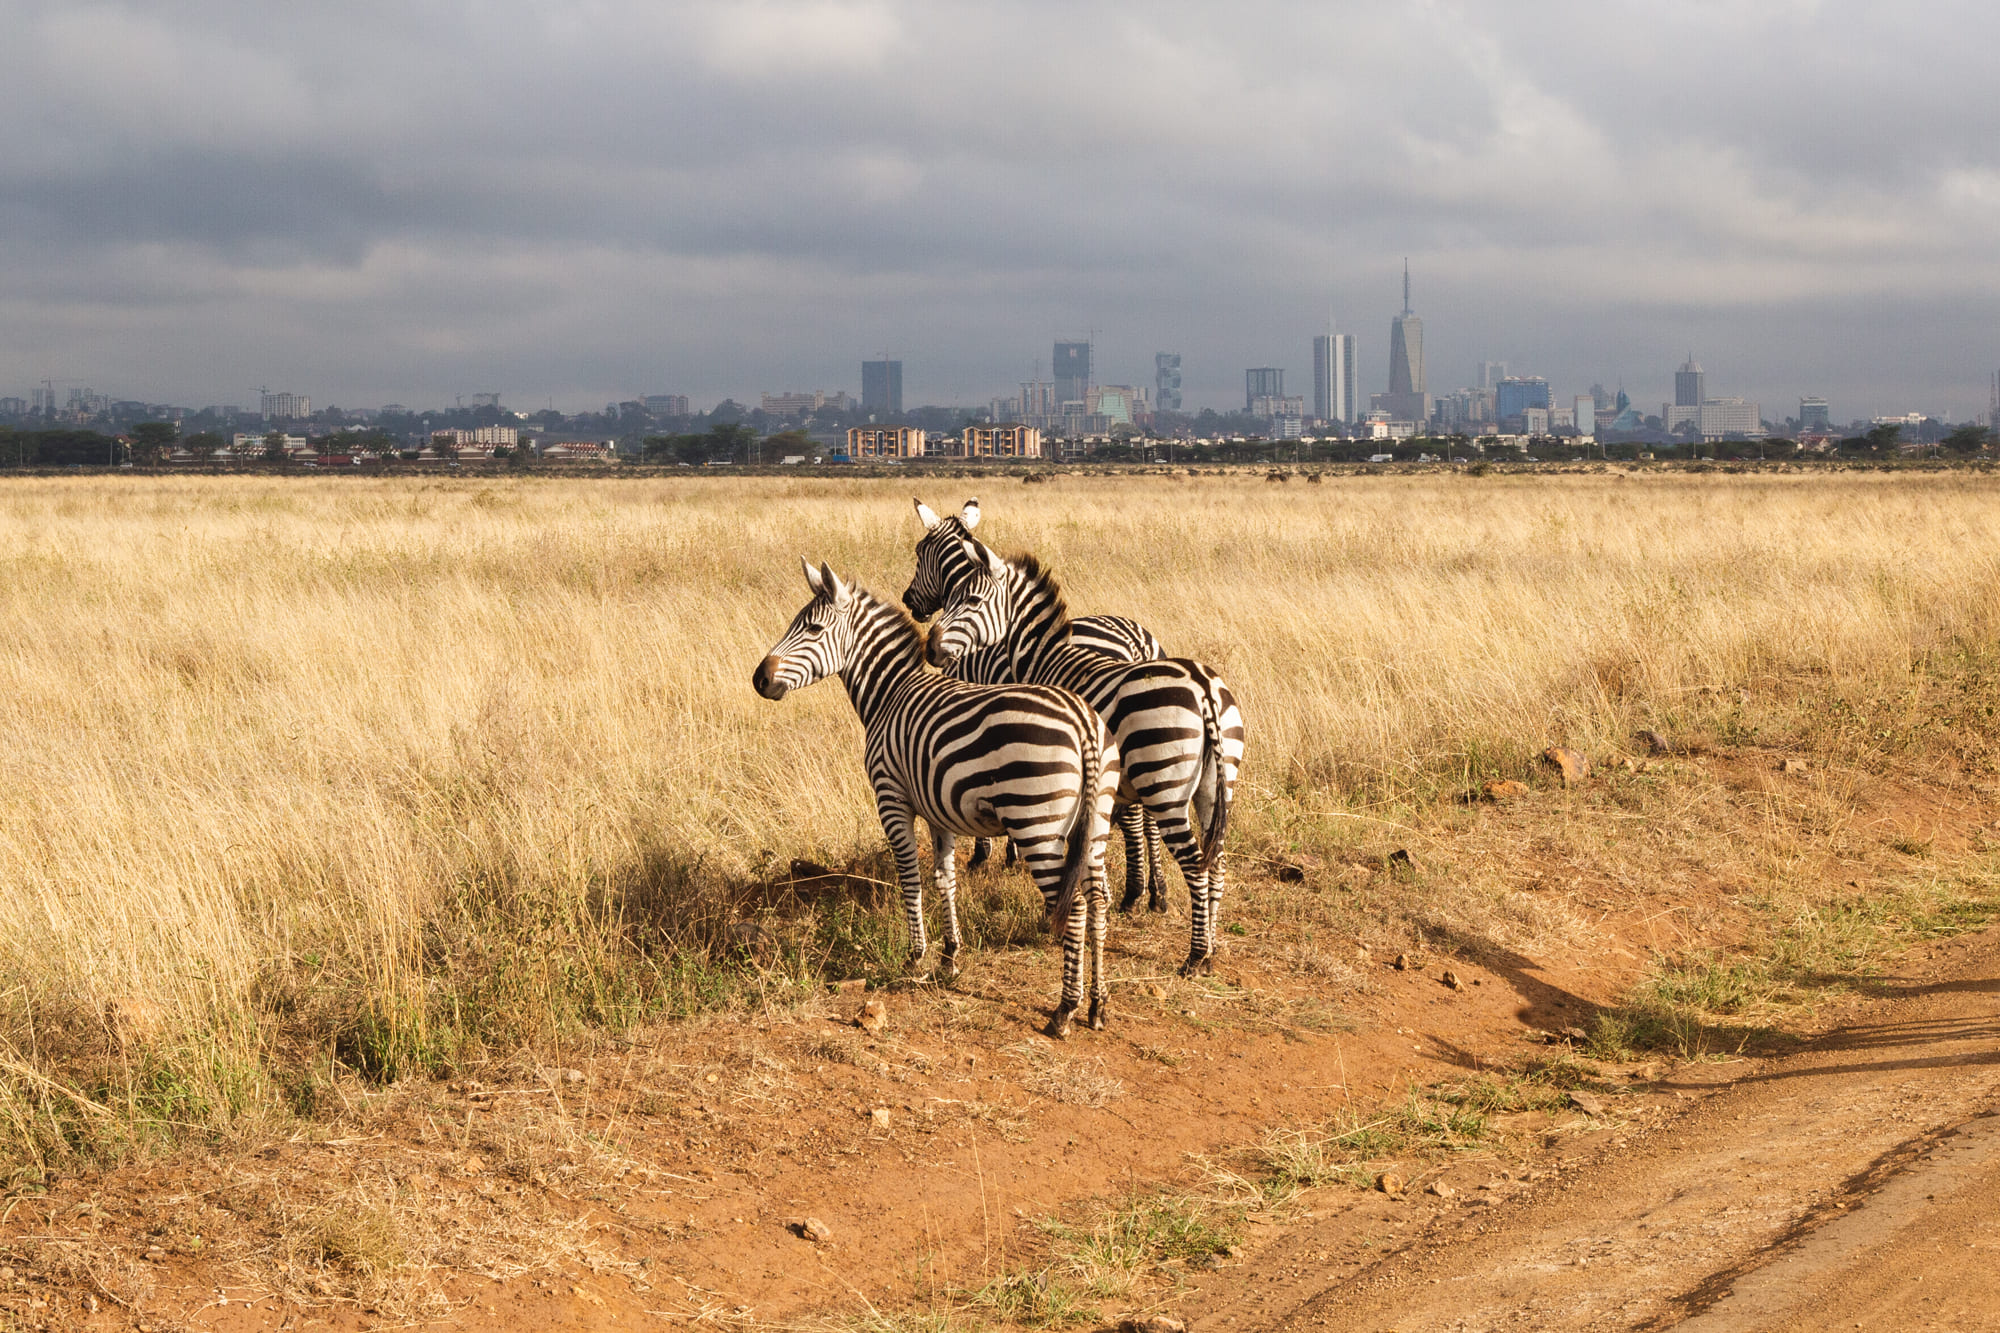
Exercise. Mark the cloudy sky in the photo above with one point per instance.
(582, 200)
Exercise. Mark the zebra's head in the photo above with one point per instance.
(819, 641)
(941, 565)
(978, 613)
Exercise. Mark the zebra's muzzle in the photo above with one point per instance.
(765, 678)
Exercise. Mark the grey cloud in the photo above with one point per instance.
(381, 201)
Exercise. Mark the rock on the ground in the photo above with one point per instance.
(1442, 1190)
(1293, 868)
(1154, 1323)
(1503, 789)
(874, 1016)
(1792, 766)
(1586, 1102)
(1389, 1183)
(814, 1230)
(880, 1115)
(1655, 742)
(1449, 980)
(1572, 764)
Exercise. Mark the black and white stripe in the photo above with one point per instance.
(941, 566)
(1029, 762)
(1179, 731)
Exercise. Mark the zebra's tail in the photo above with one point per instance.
(1212, 761)
(1076, 858)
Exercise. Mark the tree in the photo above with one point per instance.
(204, 445)
(1966, 440)
(728, 439)
(445, 446)
(274, 448)
(788, 442)
(153, 442)
(1883, 438)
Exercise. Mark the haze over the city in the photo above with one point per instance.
(579, 203)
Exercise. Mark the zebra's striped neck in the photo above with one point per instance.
(887, 651)
(1037, 614)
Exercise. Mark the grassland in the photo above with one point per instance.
(304, 776)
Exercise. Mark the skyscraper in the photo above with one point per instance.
(1516, 394)
(1072, 371)
(1407, 400)
(1491, 373)
(1689, 384)
(1167, 381)
(882, 388)
(1813, 415)
(1262, 382)
(1333, 376)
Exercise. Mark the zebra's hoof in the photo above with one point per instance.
(1157, 901)
(978, 858)
(1059, 1025)
(1129, 901)
(1100, 1009)
(1198, 965)
(947, 969)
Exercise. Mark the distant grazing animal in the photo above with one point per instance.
(942, 566)
(1179, 732)
(1029, 762)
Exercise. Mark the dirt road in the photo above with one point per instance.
(1855, 1183)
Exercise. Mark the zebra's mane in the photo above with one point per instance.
(897, 623)
(1044, 583)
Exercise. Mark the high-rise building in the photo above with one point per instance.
(1517, 393)
(1262, 382)
(1407, 399)
(1038, 400)
(1814, 416)
(1072, 371)
(882, 388)
(1491, 373)
(1333, 377)
(1689, 384)
(284, 406)
(1585, 416)
(1167, 381)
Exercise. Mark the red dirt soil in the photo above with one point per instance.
(663, 1180)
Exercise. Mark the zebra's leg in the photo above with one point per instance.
(899, 824)
(1156, 868)
(1131, 821)
(981, 849)
(1214, 909)
(1013, 854)
(1100, 921)
(944, 872)
(1180, 838)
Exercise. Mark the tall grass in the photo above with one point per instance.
(392, 773)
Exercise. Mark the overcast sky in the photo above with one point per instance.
(583, 200)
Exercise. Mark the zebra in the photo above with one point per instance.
(1179, 732)
(1033, 763)
(942, 566)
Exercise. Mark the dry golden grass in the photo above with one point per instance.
(396, 774)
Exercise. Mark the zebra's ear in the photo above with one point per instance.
(812, 577)
(928, 515)
(970, 514)
(834, 587)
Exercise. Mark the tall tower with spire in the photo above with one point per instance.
(1407, 399)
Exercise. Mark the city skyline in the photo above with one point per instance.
(720, 200)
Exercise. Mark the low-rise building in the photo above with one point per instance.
(1005, 441)
(886, 442)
